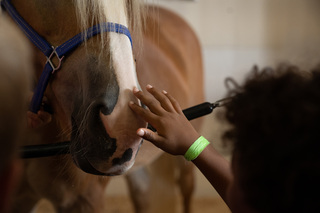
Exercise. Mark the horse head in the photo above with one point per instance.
(90, 92)
(94, 96)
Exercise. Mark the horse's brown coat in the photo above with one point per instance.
(171, 59)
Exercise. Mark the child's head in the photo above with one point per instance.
(275, 131)
(15, 72)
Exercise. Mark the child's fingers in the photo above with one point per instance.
(147, 115)
(174, 103)
(45, 117)
(37, 120)
(150, 102)
(31, 119)
(161, 97)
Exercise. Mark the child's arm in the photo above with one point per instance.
(175, 135)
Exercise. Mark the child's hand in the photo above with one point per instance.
(38, 120)
(175, 134)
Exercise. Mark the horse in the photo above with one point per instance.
(88, 93)
(171, 58)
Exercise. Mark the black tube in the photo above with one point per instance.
(194, 112)
(199, 110)
(45, 150)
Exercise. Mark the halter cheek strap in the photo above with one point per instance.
(59, 51)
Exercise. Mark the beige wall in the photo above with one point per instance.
(236, 34)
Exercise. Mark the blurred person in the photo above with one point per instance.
(15, 72)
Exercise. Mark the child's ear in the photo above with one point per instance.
(38, 120)
(9, 179)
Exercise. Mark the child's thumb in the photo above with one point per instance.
(147, 134)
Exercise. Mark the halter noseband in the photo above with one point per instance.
(59, 51)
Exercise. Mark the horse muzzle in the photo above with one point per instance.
(99, 149)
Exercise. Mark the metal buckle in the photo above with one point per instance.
(222, 102)
(54, 52)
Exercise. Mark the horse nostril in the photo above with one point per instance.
(106, 107)
(106, 103)
(105, 110)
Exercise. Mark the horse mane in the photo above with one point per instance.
(92, 12)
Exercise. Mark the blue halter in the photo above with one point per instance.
(59, 51)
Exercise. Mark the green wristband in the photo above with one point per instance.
(196, 148)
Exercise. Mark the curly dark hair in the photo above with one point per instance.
(275, 131)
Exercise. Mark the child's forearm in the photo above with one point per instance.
(216, 169)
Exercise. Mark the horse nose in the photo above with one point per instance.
(106, 110)
(106, 107)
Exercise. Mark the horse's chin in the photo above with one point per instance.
(119, 170)
(85, 165)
